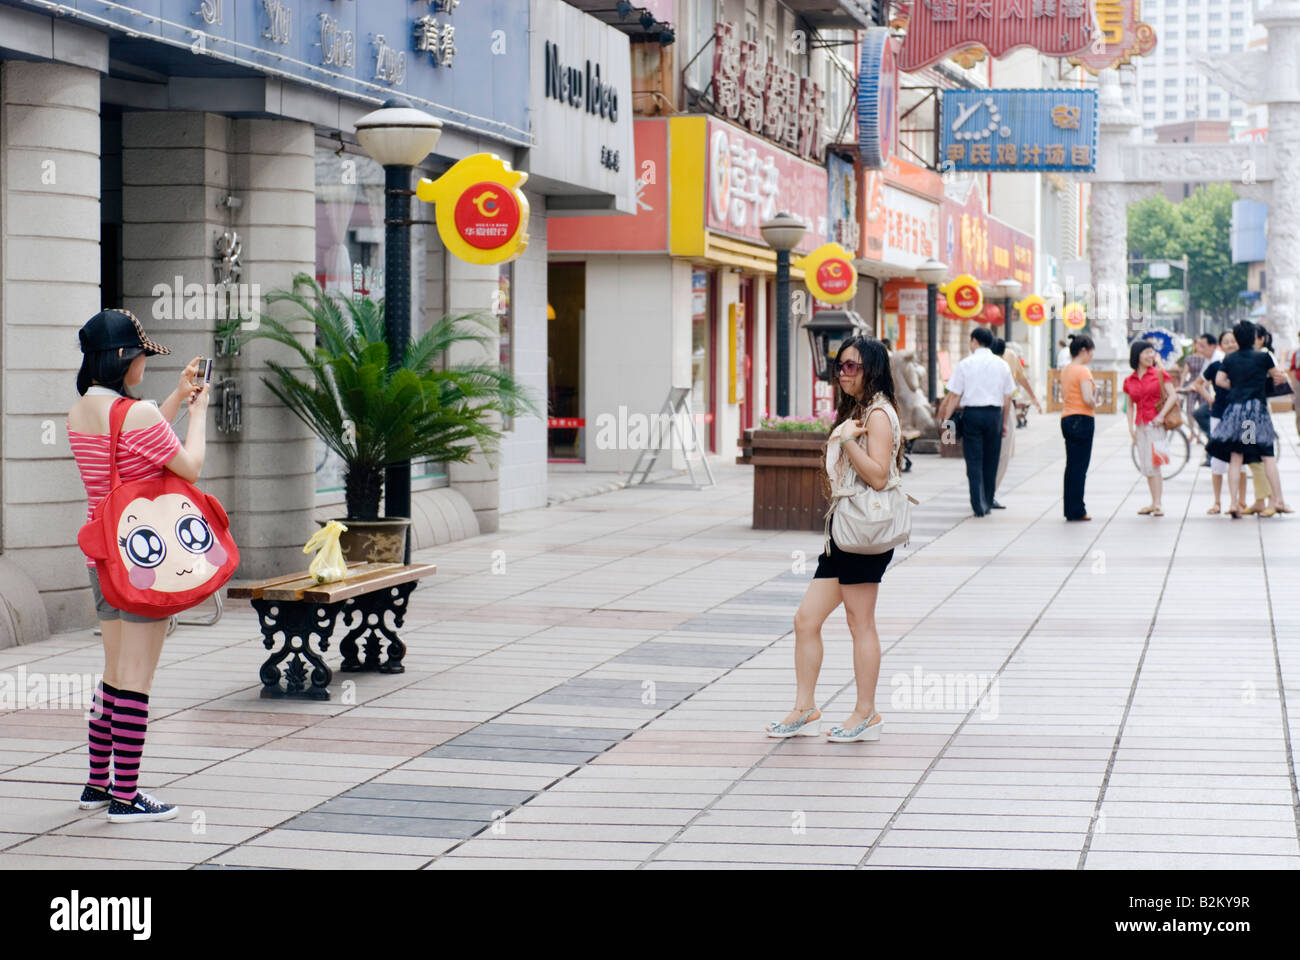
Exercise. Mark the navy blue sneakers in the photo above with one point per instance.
(93, 798)
(143, 808)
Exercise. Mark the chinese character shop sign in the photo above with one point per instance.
(749, 181)
(938, 28)
(353, 48)
(1126, 36)
(1029, 130)
(765, 98)
(482, 214)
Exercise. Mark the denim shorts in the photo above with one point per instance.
(105, 611)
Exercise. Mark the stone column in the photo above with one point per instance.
(1283, 249)
(49, 275)
(1108, 227)
(523, 449)
(273, 171)
(177, 169)
(1275, 80)
(174, 171)
(469, 289)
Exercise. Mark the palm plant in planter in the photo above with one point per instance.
(373, 417)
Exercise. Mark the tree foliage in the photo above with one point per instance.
(1198, 227)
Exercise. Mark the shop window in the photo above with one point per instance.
(350, 264)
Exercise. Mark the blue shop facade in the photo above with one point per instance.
(151, 149)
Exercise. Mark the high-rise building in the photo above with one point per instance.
(1171, 88)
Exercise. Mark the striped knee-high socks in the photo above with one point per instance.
(101, 734)
(130, 721)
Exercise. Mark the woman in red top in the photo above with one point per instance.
(1146, 416)
(114, 346)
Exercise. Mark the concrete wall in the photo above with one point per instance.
(49, 281)
(523, 449)
(635, 313)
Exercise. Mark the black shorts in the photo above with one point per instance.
(852, 568)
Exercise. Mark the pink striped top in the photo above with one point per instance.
(140, 456)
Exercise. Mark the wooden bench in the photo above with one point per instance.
(301, 614)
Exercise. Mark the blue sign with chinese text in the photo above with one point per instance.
(465, 62)
(1024, 130)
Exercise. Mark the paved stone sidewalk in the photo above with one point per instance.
(587, 688)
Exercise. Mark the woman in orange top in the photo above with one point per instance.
(1078, 422)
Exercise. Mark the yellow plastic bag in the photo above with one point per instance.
(329, 565)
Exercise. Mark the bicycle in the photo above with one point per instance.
(1180, 451)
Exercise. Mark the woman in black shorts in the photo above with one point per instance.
(862, 366)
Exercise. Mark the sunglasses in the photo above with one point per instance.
(848, 368)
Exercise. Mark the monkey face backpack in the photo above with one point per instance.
(161, 545)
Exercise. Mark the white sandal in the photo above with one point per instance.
(805, 726)
(866, 730)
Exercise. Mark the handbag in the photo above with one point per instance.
(1174, 418)
(1274, 389)
(160, 545)
(862, 519)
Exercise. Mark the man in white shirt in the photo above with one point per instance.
(982, 386)
(1063, 357)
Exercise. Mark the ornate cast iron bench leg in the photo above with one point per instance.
(366, 618)
(296, 624)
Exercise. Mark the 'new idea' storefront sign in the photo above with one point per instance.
(465, 62)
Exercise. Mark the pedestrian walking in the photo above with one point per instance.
(114, 347)
(981, 387)
(1218, 402)
(1198, 409)
(1080, 400)
(1062, 354)
(1258, 476)
(1149, 404)
(1246, 430)
(1011, 357)
(865, 406)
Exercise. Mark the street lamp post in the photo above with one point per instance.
(397, 137)
(932, 273)
(783, 233)
(1008, 289)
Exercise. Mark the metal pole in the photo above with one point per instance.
(931, 335)
(397, 313)
(1006, 317)
(783, 333)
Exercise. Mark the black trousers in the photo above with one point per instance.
(981, 445)
(1201, 415)
(1077, 430)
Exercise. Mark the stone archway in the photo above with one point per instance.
(1129, 171)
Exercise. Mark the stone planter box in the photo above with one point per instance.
(788, 471)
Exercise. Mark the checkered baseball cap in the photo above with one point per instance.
(110, 329)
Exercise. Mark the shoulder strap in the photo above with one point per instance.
(116, 417)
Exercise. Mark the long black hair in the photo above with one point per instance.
(106, 369)
(877, 379)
